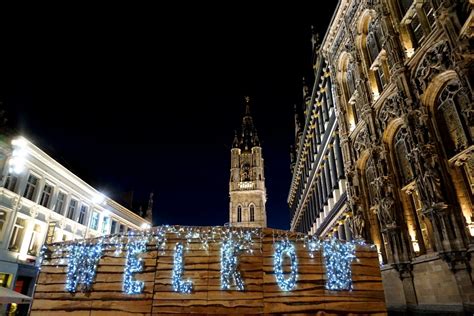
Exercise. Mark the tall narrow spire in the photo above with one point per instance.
(248, 139)
(247, 106)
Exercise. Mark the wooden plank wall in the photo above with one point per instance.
(262, 294)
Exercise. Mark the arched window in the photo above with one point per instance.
(373, 43)
(239, 214)
(252, 213)
(452, 117)
(377, 69)
(348, 81)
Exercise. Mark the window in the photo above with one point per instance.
(405, 6)
(452, 108)
(429, 12)
(94, 221)
(35, 241)
(113, 227)
(58, 208)
(5, 279)
(121, 228)
(105, 225)
(30, 189)
(239, 214)
(252, 213)
(416, 29)
(16, 238)
(10, 183)
(83, 214)
(46, 195)
(3, 219)
(72, 209)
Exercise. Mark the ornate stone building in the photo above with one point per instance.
(247, 181)
(402, 73)
(317, 195)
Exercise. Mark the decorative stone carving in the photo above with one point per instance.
(431, 192)
(386, 209)
(436, 60)
(357, 223)
(362, 140)
(34, 211)
(390, 110)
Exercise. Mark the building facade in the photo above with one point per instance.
(247, 190)
(402, 73)
(317, 194)
(43, 202)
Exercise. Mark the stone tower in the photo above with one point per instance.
(247, 180)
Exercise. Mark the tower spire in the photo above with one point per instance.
(247, 140)
(247, 105)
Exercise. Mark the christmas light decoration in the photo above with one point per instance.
(230, 273)
(82, 256)
(133, 264)
(338, 257)
(178, 268)
(285, 248)
(82, 265)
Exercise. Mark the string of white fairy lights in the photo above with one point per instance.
(82, 257)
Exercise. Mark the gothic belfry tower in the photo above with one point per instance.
(247, 181)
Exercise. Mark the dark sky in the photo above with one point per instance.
(147, 98)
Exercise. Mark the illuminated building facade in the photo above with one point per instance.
(42, 201)
(247, 180)
(317, 194)
(402, 76)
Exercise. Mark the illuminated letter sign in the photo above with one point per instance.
(230, 251)
(285, 248)
(338, 258)
(178, 267)
(82, 266)
(132, 265)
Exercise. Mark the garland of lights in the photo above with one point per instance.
(83, 256)
(178, 268)
(338, 258)
(230, 251)
(134, 264)
(82, 265)
(285, 248)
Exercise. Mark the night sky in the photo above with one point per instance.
(147, 98)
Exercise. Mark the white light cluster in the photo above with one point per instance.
(82, 265)
(133, 264)
(282, 248)
(338, 257)
(178, 268)
(18, 158)
(230, 274)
